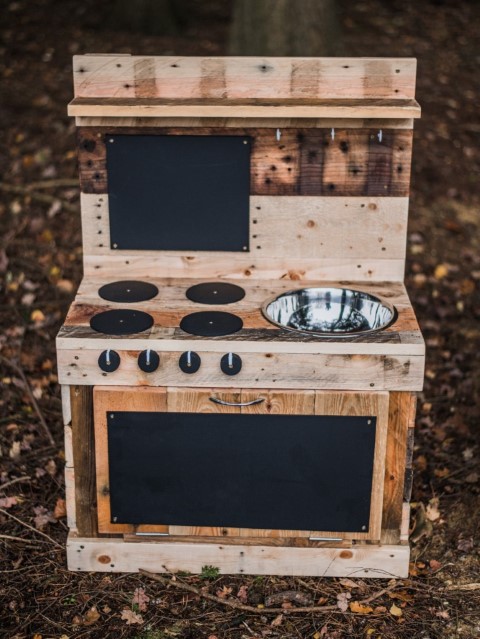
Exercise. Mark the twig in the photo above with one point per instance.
(14, 481)
(24, 541)
(40, 197)
(258, 611)
(33, 401)
(38, 532)
(472, 586)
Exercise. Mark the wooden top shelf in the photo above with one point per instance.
(245, 108)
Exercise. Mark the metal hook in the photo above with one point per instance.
(380, 135)
(332, 133)
(278, 135)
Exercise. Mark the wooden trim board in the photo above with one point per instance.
(256, 108)
(116, 555)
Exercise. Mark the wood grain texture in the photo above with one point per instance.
(115, 555)
(400, 412)
(144, 107)
(69, 474)
(276, 122)
(303, 162)
(259, 370)
(84, 460)
(118, 399)
(231, 78)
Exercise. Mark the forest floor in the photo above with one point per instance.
(40, 268)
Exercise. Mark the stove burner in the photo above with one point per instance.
(128, 291)
(121, 322)
(215, 293)
(211, 323)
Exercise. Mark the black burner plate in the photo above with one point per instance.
(121, 322)
(215, 293)
(211, 323)
(128, 291)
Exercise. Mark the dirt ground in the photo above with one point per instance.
(40, 268)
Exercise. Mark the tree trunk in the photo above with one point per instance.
(284, 28)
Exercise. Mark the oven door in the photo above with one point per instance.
(220, 463)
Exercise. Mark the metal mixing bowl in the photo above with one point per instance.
(329, 311)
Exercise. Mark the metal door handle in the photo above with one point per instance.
(215, 400)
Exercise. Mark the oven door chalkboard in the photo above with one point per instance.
(178, 192)
(294, 472)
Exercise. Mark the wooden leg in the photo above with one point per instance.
(84, 460)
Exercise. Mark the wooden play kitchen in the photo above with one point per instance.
(240, 363)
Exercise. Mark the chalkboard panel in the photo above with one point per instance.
(186, 193)
(249, 471)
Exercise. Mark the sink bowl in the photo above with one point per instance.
(329, 312)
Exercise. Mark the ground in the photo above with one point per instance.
(40, 267)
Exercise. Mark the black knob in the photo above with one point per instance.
(189, 362)
(148, 361)
(231, 364)
(109, 361)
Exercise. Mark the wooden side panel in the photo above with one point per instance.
(345, 403)
(402, 408)
(114, 555)
(84, 460)
(104, 76)
(118, 399)
(302, 162)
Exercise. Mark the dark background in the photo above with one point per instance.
(40, 268)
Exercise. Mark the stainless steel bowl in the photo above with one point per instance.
(329, 312)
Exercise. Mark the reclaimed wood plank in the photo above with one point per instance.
(115, 555)
(84, 460)
(100, 76)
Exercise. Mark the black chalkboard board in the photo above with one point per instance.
(250, 471)
(178, 192)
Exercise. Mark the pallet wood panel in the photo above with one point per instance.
(84, 460)
(120, 399)
(244, 108)
(276, 168)
(260, 370)
(115, 555)
(276, 122)
(103, 76)
(400, 419)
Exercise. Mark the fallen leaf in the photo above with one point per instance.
(60, 509)
(51, 467)
(37, 316)
(402, 595)
(15, 450)
(360, 609)
(472, 478)
(348, 583)
(66, 286)
(141, 599)
(91, 617)
(224, 592)
(432, 513)
(465, 544)
(396, 611)
(443, 614)
(242, 594)
(441, 473)
(8, 502)
(131, 617)
(43, 517)
(441, 271)
(277, 621)
(435, 565)
(342, 600)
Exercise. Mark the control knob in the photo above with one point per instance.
(231, 364)
(109, 361)
(189, 362)
(148, 361)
